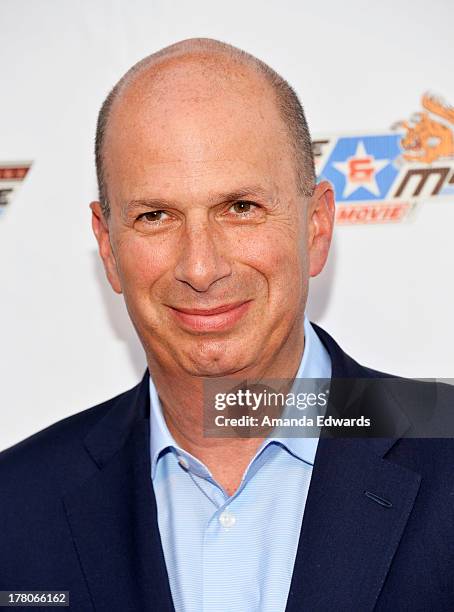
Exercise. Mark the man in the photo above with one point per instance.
(210, 223)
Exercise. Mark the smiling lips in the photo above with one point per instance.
(211, 319)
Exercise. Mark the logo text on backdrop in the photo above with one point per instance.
(379, 177)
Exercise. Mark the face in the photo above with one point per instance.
(208, 239)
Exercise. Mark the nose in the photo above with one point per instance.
(201, 261)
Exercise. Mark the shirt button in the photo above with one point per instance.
(183, 462)
(227, 519)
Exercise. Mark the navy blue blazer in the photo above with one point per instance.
(78, 514)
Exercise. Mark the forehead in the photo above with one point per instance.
(189, 118)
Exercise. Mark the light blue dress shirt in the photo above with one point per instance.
(233, 554)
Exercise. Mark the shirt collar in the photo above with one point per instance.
(160, 436)
(315, 363)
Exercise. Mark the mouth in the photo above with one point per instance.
(220, 318)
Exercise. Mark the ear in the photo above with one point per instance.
(101, 230)
(320, 226)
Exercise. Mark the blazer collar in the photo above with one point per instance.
(111, 432)
(357, 390)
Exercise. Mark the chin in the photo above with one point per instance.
(217, 359)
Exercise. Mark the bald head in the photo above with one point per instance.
(205, 69)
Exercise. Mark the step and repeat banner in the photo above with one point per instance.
(378, 90)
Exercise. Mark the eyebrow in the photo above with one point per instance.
(230, 196)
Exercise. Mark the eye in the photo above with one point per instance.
(153, 216)
(243, 207)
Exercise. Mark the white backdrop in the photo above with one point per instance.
(65, 340)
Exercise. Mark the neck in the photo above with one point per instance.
(181, 396)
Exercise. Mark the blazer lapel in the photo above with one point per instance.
(356, 511)
(347, 539)
(113, 517)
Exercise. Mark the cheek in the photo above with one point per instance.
(141, 262)
(279, 256)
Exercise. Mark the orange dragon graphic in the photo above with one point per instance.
(430, 134)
